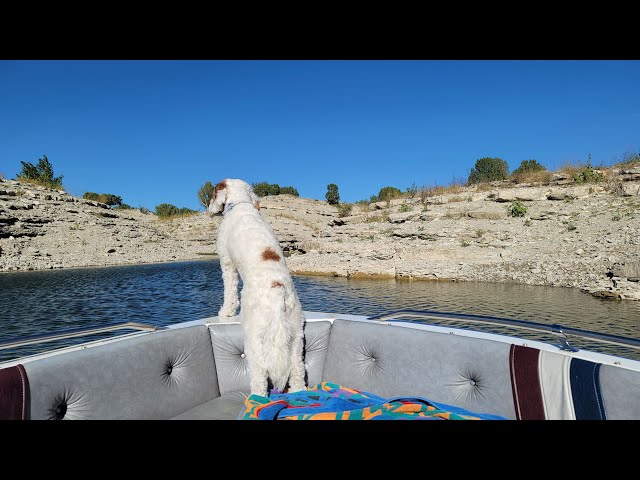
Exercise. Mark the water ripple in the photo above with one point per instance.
(162, 294)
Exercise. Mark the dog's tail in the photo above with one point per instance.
(277, 337)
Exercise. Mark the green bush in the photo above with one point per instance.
(263, 189)
(41, 174)
(387, 193)
(488, 169)
(517, 209)
(106, 198)
(587, 175)
(527, 166)
(205, 194)
(405, 207)
(344, 209)
(289, 191)
(166, 210)
(332, 195)
(169, 210)
(144, 210)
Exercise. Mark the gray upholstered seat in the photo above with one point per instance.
(225, 407)
(201, 372)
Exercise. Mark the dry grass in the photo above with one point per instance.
(542, 177)
(571, 168)
(437, 190)
(456, 199)
(38, 183)
(483, 187)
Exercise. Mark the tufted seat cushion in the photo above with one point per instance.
(232, 365)
(390, 361)
(152, 376)
(225, 407)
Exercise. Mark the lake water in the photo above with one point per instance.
(162, 294)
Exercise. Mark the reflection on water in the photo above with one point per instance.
(162, 294)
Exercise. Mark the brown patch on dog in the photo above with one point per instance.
(270, 254)
(258, 205)
(221, 186)
(275, 284)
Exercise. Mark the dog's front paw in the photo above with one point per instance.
(225, 318)
(297, 387)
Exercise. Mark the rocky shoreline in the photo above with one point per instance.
(582, 236)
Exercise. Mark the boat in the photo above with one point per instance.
(197, 370)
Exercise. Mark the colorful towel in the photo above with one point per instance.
(328, 401)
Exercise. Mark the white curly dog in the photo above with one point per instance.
(270, 311)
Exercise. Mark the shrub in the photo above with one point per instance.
(517, 209)
(488, 169)
(205, 194)
(528, 166)
(412, 191)
(144, 210)
(405, 207)
(289, 191)
(166, 210)
(123, 206)
(387, 193)
(344, 209)
(106, 198)
(527, 223)
(587, 175)
(332, 195)
(264, 189)
(41, 174)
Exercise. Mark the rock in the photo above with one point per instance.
(337, 222)
(558, 196)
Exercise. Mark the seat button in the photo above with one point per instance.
(373, 359)
(169, 370)
(242, 355)
(472, 382)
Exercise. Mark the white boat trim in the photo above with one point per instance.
(323, 316)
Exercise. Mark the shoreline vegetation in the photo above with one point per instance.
(576, 227)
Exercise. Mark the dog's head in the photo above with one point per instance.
(232, 191)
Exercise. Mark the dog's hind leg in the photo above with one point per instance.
(296, 379)
(230, 303)
(258, 375)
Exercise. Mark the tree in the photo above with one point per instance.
(332, 195)
(166, 210)
(289, 191)
(528, 166)
(205, 194)
(387, 193)
(488, 169)
(264, 189)
(41, 173)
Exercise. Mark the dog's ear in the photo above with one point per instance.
(255, 199)
(219, 199)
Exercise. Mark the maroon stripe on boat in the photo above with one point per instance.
(525, 383)
(14, 393)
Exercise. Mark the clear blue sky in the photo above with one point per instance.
(155, 131)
